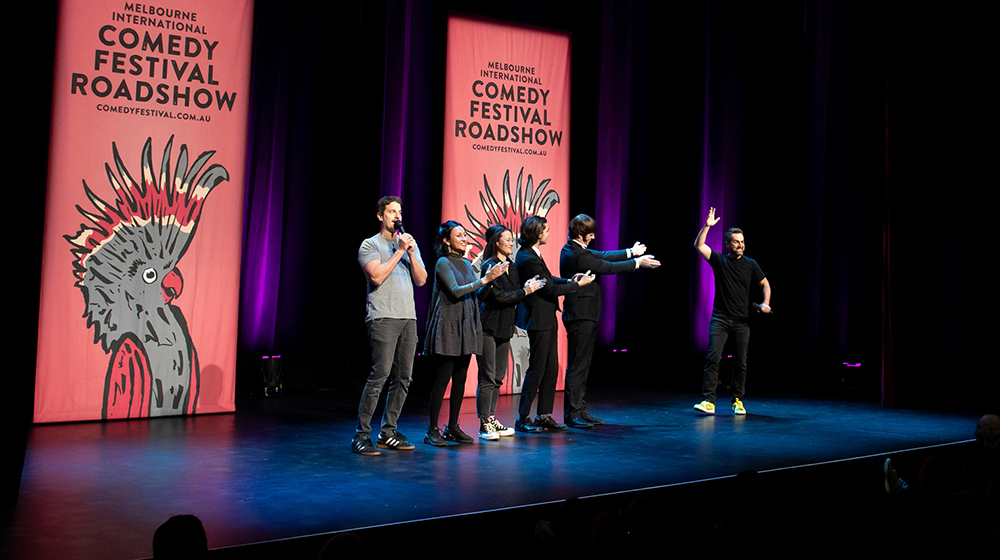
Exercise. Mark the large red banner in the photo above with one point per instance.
(506, 147)
(141, 263)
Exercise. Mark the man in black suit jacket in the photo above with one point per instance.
(583, 309)
(536, 314)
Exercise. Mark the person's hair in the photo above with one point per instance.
(728, 236)
(531, 230)
(492, 238)
(444, 233)
(581, 225)
(385, 201)
(181, 536)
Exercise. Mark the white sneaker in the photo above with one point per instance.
(500, 428)
(487, 431)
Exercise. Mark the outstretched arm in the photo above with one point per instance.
(448, 280)
(699, 242)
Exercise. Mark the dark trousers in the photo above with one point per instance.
(393, 343)
(719, 331)
(580, 337)
(543, 371)
(492, 369)
(454, 369)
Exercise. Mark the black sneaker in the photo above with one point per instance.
(395, 441)
(363, 445)
(455, 434)
(433, 437)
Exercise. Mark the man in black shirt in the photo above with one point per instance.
(734, 275)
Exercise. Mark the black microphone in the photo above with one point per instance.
(398, 224)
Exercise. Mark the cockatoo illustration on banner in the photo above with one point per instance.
(518, 205)
(519, 202)
(125, 261)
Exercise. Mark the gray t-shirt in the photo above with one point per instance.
(394, 298)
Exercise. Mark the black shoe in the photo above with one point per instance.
(433, 437)
(547, 422)
(395, 441)
(363, 445)
(455, 434)
(526, 426)
(578, 422)
(595, 421)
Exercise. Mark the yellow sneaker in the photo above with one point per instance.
(738, 407)
(706, 407)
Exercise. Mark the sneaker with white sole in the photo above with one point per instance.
(504, 431)
(706, 407)
(487, 431)
(738, 407)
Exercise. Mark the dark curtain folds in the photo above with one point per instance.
(774, 113)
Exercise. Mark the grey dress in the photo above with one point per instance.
(453, 326)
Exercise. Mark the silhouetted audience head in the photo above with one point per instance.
(988, 431)
(181, 536)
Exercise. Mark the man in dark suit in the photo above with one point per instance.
(536, 314)
(583, 309)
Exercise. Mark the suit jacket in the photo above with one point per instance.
(537, 312)
(586, 303)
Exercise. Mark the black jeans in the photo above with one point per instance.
(719, 331)
(394, 343)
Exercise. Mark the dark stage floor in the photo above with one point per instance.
(282, 468)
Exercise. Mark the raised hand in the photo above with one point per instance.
(711, 220)
(638, 249)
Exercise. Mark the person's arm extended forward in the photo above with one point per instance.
(449, 280)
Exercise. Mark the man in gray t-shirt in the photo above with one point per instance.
(392, 265)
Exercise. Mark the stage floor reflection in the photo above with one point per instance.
(283, 468)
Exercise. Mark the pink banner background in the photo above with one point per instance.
(506, 147)
(103, 60)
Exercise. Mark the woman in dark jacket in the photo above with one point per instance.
(498, 312)
(454, 332)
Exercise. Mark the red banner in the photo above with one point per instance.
(141, 262)
(506, 147)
